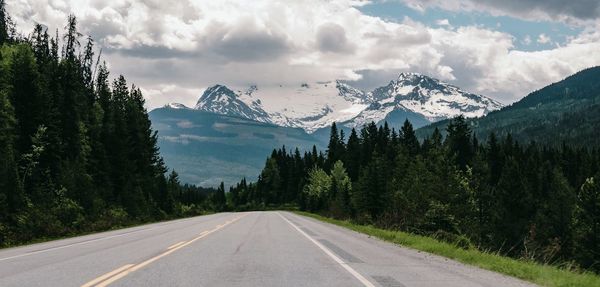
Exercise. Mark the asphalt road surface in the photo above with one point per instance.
(234, 249)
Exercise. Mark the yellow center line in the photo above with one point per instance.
(175, 245)
(107, 275)
(117, 274)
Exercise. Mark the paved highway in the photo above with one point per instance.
(234, 249)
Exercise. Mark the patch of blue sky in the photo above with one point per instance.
(528, 35)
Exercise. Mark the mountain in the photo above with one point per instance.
(567, 111)
(422, 100)
(315, 106)
(221, 100)
(229, 132)
(206, 148)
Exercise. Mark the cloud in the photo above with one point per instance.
(331, 37)
(543, 39)
(557, 10)
(443, 22)
(246, 42)
(175, 49)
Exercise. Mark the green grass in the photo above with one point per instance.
(544, 275)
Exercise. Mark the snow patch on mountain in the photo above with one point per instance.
(312, 106)
(176, 106)
(423, 95)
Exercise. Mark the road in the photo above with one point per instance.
(234, 249)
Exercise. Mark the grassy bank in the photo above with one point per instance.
(544, 275)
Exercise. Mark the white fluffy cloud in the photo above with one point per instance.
(543, 39)
(172, 49)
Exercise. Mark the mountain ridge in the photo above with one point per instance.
(420, 96)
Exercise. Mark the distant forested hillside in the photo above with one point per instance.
(564, 112)
(77, 152)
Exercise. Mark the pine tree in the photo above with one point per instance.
(11, 197)
(219, 199)
(513, 208)
(371, 193)
(335, 148)
(459, 141)
(553, 224)
(270, 183)
(5, 24)
(25, 95)
(352, 158)
(587, 224)
(409, 139)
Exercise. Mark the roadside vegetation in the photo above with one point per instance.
(544, 275)
(77, 152)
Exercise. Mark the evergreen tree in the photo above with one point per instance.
(353, 157)
(587, 224)
(513, 208)
(459, 141)
(25, 94)
(11, 197)
(371, 189)
(269, 184)
(409, 139)
(219, 199)
(5, 24)
(553, 224)
(335, 148)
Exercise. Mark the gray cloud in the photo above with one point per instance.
(251, 45)
(582, 9)
(401, 37)
(331, 37)
(529, 9)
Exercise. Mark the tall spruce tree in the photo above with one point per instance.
(459, 141)
(5, 23)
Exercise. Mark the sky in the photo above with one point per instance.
(174, 50)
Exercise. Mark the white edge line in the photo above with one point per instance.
(351, 270)
(74, 244)
(158, 224)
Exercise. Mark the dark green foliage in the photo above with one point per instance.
(587, 224)
(6, 27)
(458, 141)
(218, 199)
(76, 154)
(521, 201)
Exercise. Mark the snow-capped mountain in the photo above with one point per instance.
(431, 98)
(312, 106)
(176, 106)
(221, 100)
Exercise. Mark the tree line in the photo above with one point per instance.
(526, 201)
(77, 152)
